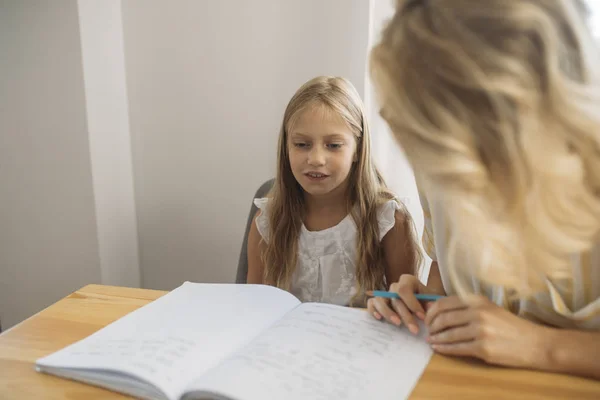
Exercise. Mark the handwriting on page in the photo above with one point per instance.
(333, 323)
(147, 357)
(179, 336)
(320, 351)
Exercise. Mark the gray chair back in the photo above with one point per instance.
(242, 269)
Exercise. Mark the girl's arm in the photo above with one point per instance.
(434, 282)
(400, 250)
(255, 247)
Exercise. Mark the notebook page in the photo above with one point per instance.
(320, 352)
(180, 335)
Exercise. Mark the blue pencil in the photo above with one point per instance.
(392, 295)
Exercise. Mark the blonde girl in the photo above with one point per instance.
(330, 229)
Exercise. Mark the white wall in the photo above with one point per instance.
(48, 245)
(101, 31)
(208, 82)
(184, 98)
(67, 214)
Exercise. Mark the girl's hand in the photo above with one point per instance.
(479, 328)
(401, 311)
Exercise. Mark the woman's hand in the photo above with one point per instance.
(479, 328)
(402, 311)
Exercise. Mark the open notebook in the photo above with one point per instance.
(245, 342)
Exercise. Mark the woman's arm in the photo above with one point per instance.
(255, 247)
(479, 328)
(572, 352)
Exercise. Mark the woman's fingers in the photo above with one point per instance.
(450, 319)
(455, 334)
(443, 305)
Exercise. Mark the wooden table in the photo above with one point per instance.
(94, 306)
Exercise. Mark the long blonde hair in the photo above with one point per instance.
(367, 191)
(497, 106)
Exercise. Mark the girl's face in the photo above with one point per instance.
(321, 149)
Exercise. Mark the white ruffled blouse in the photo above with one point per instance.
(326, 266)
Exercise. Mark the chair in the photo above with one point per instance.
(242, 269)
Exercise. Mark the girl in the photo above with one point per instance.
(496, 104)
(330, 228)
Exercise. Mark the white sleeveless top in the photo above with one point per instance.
(325, 270)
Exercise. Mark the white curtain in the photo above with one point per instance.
(388, 155)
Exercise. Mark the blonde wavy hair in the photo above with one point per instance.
(496, 104)
(367, 191)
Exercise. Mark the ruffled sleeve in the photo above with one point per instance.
(262, 221)
(386, 217)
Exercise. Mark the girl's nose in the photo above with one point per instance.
(316, 156)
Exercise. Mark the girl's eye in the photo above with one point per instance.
(300, 145)
(334, 146)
